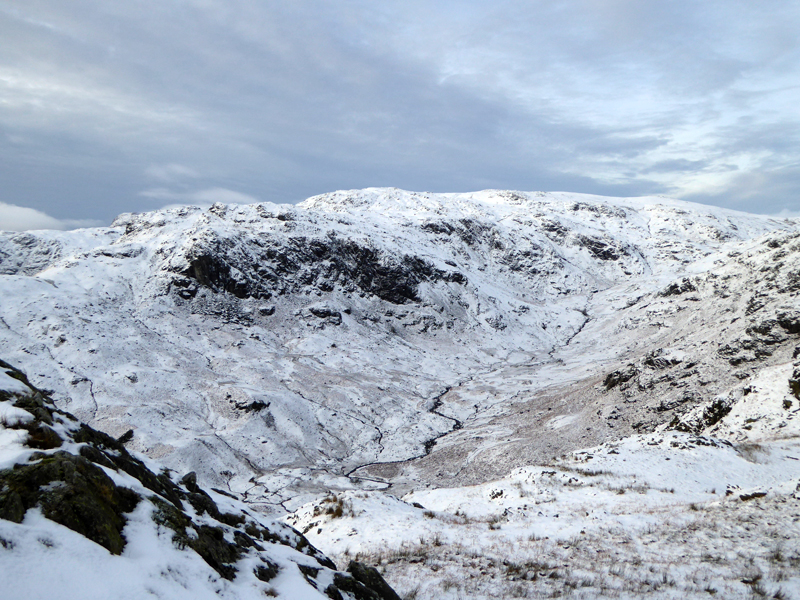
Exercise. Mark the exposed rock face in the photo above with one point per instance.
(602, 249)
(260, 268)
(370, 579)
(622, 376)
(326, 312)
(789, 321)
(794, 382)
(704, 417)
(679, 287)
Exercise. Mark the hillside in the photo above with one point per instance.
(363, 349)
(82, 517)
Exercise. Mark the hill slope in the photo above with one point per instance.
(337, 361)
(279, 347)
(81, 517)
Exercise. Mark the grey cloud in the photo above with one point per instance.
(21, 218)
(679, 164)
(170, 172)
(200, 197)
(110, 107)
(767, 191)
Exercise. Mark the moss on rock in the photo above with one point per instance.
(72, 491)
(107, 451)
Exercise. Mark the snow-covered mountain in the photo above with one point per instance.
(269, 347)
(387, 340)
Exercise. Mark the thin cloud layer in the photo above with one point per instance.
(199, 198)
(20, 218)
(112, 107)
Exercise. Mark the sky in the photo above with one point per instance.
(111, 107)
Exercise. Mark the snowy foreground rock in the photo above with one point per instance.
(80, 517)
(343, 362)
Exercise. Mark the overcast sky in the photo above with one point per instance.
(109, 107)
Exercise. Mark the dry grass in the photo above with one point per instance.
(334, 506)
(749, 451)
(719, 552)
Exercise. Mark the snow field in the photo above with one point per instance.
(668, 515)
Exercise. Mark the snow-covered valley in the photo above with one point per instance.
(556, 378)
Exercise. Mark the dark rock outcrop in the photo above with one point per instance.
(362, 582)
(789, 321)
(257, 268)
(372, 579)
(615, 378)
(602, 249)
(794, 381)
(712, 414)
(677, 288)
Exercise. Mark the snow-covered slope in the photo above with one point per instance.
(80, 517)
(669, 515)
(275, 349)
(711, 353)
(367, 353)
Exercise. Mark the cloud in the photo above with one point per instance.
(203, 198)
(170, 172)
(20, 218)
(763, 191)
(222, 195)
(109, 105)
(676, 164)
